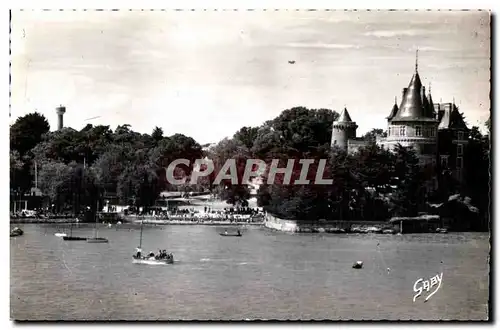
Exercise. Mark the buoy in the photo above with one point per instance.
(358, 265)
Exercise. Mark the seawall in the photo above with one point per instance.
(297, 226)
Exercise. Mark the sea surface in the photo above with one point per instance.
(263, 275)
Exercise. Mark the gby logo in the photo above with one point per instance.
(421, 285)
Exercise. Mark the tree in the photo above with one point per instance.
(475, 134)
(15, 161)
(16, 165)
(372, 135)
(231, 149)
(54, 180)
(157, 134)
(246, 136)
(408, 175)
(27, 132)
(302, 129)
(477, 177)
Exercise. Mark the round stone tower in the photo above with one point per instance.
(343, 129)
(60, 110)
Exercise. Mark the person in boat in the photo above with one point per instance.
(239, 234)
(138, 252)
(225, 233)
(151, 254)
(164, 254)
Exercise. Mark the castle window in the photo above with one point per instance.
(402, 131)
(418, 131)
(444, 161)
(460, 135)
(432, 132)
(460, 162)
(460, 149)
(335, 142)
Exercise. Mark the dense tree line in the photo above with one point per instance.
(76, 168)
(371, 184)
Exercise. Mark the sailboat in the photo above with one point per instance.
(96, 239)
(71, 237)
(138, 258)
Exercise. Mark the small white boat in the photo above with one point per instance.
(61, 234)
(152, 261)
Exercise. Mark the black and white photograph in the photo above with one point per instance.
(249, 165)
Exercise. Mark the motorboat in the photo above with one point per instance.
(16, 232)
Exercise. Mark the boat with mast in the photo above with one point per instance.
(71, 237)
(96, 239)
(150, 259)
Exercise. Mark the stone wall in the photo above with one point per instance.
(275, 223)
(272, 222)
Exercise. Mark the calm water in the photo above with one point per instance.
(262, 275)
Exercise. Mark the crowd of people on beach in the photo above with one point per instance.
(207, 214)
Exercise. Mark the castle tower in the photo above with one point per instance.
(413, 124)
(343, 129)
(60, 110)
(394, 110)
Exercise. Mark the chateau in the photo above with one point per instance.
(436, 131)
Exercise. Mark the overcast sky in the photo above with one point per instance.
(207, 74)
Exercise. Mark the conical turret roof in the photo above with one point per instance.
(393, 111)
(344, 117)
(431, 103)
(411, 105)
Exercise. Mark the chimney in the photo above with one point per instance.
(60, 113)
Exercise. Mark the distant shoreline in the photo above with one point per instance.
(138, 221)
